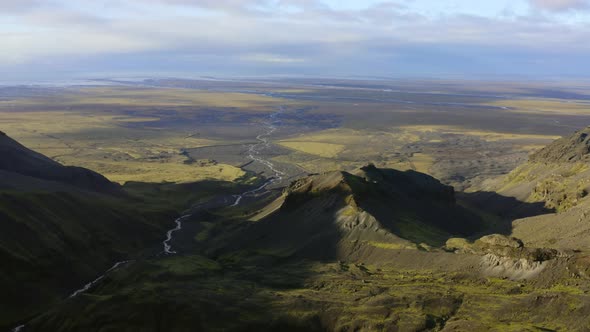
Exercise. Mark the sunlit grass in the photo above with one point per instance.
(485, 135)
(128, 96)
(327, 150)
(544, 106)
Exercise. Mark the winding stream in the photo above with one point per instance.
(166, 243)
(254, 155)
(95, 281)
(254, 152)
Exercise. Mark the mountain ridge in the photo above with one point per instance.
(334, 214)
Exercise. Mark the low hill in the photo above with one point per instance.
(332, 215)
(20, 161)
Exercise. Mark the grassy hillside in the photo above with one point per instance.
(63, 226)
(408, 290)
(338, 251)
(54, 242)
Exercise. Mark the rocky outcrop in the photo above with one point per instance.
(497, 240)
(505, 256)
(511, 268)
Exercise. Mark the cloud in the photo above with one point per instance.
(293, 36)
(15, 6)
(230, 6)
(302, 10)
(560, 5)
(54, 18)
(272, 58)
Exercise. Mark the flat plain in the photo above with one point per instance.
(156, 130)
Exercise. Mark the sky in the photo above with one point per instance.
(59, 39)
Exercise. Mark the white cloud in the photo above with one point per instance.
(560, 5)
(12, 6)
(39, 46)
(299, 33)
(272, 58)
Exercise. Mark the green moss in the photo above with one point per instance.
(560, 288)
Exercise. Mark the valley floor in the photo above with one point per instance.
(369, 243)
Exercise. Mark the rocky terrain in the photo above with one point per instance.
(556, 178)
(338, 214)
(369, 249)
(575, 148)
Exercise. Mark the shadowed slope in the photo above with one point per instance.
(334, 215)
(17, 159)
(60, 226)
(280, 272)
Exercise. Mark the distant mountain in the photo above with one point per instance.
(332, 215)
(17, 161)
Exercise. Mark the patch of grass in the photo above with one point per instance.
(326, 150)
(561, 288)
(544, 106)
(421, 162)
(485, 135)
(164, 171)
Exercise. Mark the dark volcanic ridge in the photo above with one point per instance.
(332, 215)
